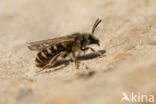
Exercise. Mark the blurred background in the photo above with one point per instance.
(127, 34)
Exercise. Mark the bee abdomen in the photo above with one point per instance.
(44, 56)
(38, 62)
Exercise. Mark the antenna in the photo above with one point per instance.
(96, 24)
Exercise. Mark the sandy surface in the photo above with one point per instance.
(127, 34)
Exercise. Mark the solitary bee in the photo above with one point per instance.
(50, 50)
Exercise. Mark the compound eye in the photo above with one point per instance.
(87, 36)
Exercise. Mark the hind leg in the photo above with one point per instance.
(51, 63)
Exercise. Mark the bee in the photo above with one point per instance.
(50, 50)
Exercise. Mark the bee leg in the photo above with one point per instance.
(74, 59)
(78, 54)
(96, 52)
(84, 52)
(64, 55)
(51, 63)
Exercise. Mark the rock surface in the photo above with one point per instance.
(127, 34)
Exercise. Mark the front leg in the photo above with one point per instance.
(96, 52)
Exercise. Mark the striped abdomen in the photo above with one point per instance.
(45, 56)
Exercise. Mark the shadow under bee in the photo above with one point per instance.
(91, 55)
(80, 58)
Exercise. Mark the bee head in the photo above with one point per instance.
(89, 37)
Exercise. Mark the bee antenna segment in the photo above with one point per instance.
(96, 24)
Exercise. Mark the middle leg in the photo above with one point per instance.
(74, 58)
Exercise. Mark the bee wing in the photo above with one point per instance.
(40, 45)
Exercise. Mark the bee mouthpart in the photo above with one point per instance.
(98, 44)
